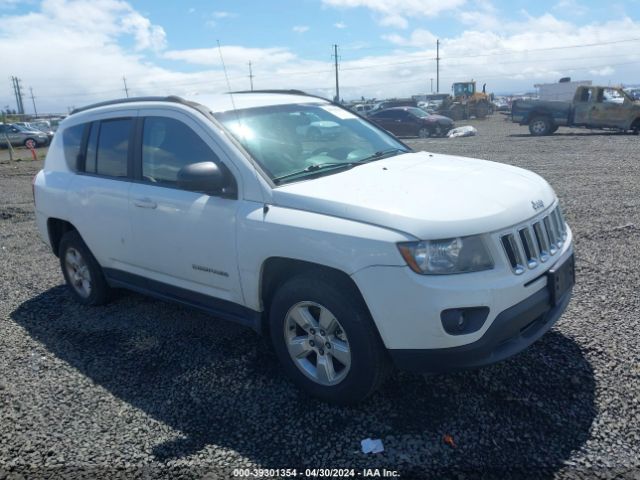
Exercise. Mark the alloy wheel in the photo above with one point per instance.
(78, 272)
(317, 343)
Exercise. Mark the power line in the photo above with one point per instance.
(438, 65)
(126, 90)
(18, 93)
(33, 99)
(335, 56)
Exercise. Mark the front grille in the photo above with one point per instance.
(529, 245)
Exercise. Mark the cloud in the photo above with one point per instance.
(233, 55)
(340, 25)
(394, 20)
(394, 13)
(482, 15)
(221, 14)
(570, 8)
(419, 38)
(88, 45)
(300, 28)
(603, 72)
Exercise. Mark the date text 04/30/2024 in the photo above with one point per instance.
(315, 473)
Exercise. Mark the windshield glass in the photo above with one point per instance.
(300, 138)
(418, 112)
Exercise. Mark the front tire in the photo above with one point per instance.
(540, 125)
(326, 340)
(81, 271)
(423, 132)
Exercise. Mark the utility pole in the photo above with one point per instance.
(432, 85)
(126, 90)
(18, 93)
(33, 100)
(438, 66)
(251, 76)
(335, 55)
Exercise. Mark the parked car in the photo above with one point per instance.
(18, 135)
(592, 107)
(312, 127)
(412, 122)
(349, 256)
(41, 126)
(396, 102)
(363, 108)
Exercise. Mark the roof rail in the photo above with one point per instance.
(284, 92)
(170, 98)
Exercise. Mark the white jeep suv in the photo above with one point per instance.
(351, 251)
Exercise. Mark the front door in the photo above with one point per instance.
(611, 109)
(182, 239)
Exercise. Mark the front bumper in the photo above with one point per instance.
(512, 331)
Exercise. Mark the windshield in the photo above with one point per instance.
(418, 112)
(23, 128)
(293, 142)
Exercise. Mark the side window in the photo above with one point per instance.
(72, 143)
(611, 96)
(113, 147)
(167, 146)
(585, 95)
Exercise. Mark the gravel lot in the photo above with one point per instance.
(141, 388)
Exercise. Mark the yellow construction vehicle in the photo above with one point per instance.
(466, 102)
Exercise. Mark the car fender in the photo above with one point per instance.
(266, 231)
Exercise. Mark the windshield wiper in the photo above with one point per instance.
(315, 168)
(342, 165)
(382, 154)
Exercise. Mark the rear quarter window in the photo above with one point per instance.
(71, 144)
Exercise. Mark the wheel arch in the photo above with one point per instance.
(277, 270)
(56, 228)
(540, 113)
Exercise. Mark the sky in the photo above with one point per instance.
(76, 52)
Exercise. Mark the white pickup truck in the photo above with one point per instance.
(352, 252)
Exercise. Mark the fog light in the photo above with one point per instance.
(461, 321)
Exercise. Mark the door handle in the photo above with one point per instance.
(145, 203)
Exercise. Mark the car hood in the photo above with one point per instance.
(426, 195)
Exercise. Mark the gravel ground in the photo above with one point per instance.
(141, 388)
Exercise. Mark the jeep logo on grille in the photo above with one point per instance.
(537, 204)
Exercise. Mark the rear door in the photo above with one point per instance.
(99, 193)
(182, 239)
(583, 104)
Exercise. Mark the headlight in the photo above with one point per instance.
(451, 255)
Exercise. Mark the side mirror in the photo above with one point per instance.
(203, 177)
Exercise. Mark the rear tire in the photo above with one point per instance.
(30, 143)
(315, 309)
(540, 125)
(81, 271)
(635, 128)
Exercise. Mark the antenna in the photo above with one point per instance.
(224, 68)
